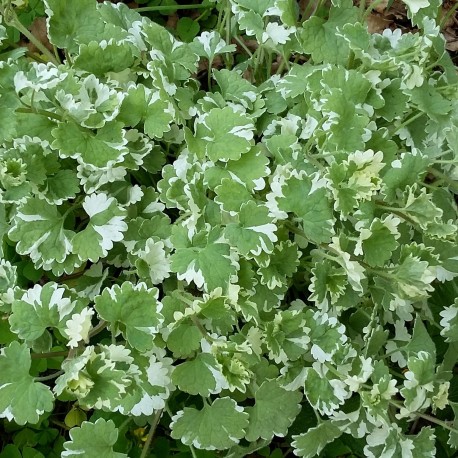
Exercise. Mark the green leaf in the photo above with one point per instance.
(158, 117)
(395, 101)
(318, 36)
(134, 105)
(328, 280)
(152, 386)
(312, 442)
(73, 23)
(222, 135)
(428, 99)
(94, 440)
(40, 308)
(425, 442)
(419, 380)
(235, 88)
(412, 278)
(421, 340)
(104, 148)
(209, 44)
(62, 186)
(218, 426)
(449, 322)
(98, 60)
(206, 261)
(8, 127)
(187, 28)
(39, 230)
(201, 375)
(184, 339)
(273, 412)
(325, 392)
(11, 451)
(376, 340)
(106, 225)
(379, 241)
(453, 438)
(132, 309)
(97, 378)
(152, 263)
(252, 23)
(231, 195)
(404, 172)
(255, 231)
(389, 440)
(306, 199)
(249, 169)
(283, 264)
(180, 57)
(289, 11)
(21, 398)
(418, 10)
(287, 336)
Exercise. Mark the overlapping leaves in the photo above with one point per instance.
(236, 255)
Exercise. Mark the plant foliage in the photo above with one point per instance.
(234, 244)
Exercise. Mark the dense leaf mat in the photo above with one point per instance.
(242, 241)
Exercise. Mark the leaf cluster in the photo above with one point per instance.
(236, 238)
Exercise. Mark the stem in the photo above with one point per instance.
(240, 452)
(124, 424)
(184, 299)
(370, 7)
(218, 22)
(56, 53)
(193, 451)
(209, 75)
(48, 114)
(202, 330)
(308, 9)
(243, 46)
(397, 374)
(351, 60)
(283, 63)
(446, 161)
(427, 417)
(60, 424)
(51, 354)
(259, 57)
(295, 230)
(97, 329)
(317, 7)
(154, 424)
(228, 23)
(313, 138)
(12, 20)
(408, 121)
(72, 276)
(442, 176)
(370, 326)
(449, 14)
(172, 8)
(68, 58)
(169, 412)
(396, 211)
(269, 65)
(48, 377)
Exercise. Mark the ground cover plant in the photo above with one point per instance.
(231, 235)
